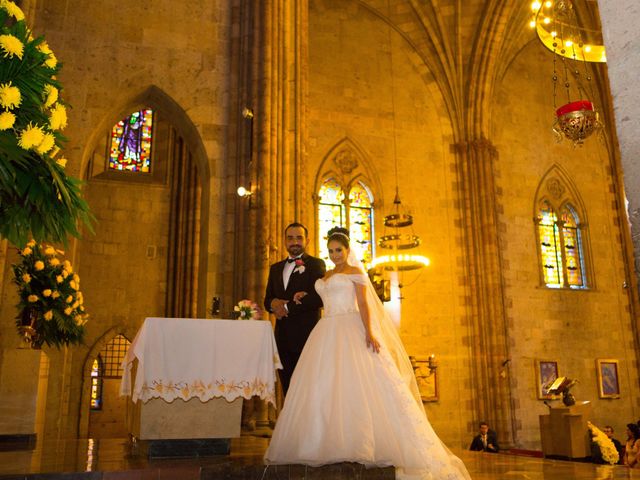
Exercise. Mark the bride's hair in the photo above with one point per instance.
(340, 235)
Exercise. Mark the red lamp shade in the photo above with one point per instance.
(574, 107)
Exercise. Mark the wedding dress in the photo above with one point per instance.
(349, 404)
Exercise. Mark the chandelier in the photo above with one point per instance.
(557, 26)
(401, 245)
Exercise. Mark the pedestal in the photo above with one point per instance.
(564, 432)
(24, 377)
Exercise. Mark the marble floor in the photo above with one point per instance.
(118, 459)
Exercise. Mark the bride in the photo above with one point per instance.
(353, 395)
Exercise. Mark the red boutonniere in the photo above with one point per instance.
(299, 265)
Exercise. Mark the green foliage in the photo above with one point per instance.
(48, 286)
(37, 198)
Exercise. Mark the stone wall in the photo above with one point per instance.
(571, 327)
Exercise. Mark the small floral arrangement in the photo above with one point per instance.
(36, 196)
(49, 292)
(607, 448)
(248, 310)
(299, 265)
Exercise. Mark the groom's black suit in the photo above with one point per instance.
(292, 331)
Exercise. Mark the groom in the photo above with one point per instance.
(294, 323)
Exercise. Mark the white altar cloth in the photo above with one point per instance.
(186, 358)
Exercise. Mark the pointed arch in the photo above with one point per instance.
(561, 232)
(348, 175)
(190, 210)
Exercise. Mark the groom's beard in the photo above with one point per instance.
(295, 250)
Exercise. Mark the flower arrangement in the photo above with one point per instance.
(607, 448)
(248, 310)
(50, 294)
(37, 198)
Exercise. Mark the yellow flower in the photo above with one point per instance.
(51, 60)
(68, 310)
(81, 308)
(62, 162)
(39, 265)
(75, 305)
(7, 119)
(69, 299)
(31, 136)
(47, 292)
(49, 251)
(76, 278)
(31, 243)
(26, 251)
(51, 95)
(67, 266)
(54, 262)
(12, 46)
(58, 117)
(65, 274)
(55, 294)
(47, 143)
(78, 320)
(26, 278)
(10, 96)
(12, 9)
(59, 279)
(48, 315)
(73, 285)
(32, 298)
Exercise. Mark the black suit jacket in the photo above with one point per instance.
(478, 446)
(292, 331)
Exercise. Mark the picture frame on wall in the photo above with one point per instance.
(427, 380)
(546, 374)
(608, 378)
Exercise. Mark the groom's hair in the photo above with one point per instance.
(297, 224)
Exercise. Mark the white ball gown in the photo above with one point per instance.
(349, 404)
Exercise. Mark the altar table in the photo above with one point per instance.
(191, 374)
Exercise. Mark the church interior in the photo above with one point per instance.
(521, 262)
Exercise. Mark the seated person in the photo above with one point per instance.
(608, 430)
(485, 441)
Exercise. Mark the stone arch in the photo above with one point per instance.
(155, 98)
(85, 384)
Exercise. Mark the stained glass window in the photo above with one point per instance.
(130, 145)
(108, 364)
(96, 385)
(331, 212)
(560, 248)
(361, 222)
(356, 215)
(572, 248)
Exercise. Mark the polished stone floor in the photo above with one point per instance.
(118, 459)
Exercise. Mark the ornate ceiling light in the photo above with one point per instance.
(558, 29)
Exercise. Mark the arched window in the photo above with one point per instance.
(107, 365)
(350, 207)
(130, 143)
(561, 251)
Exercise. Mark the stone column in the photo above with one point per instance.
(619, 20)
(273, 84)
(477, 191)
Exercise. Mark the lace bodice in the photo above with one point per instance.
(338, 292)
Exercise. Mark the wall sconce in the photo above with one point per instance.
(244, 192)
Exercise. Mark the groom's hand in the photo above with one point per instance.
(277, 307)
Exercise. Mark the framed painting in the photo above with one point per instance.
(608, 383)
(427, 380)
(546, 374)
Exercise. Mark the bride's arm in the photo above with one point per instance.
(364, 315)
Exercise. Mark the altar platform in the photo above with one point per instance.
(118, 459)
